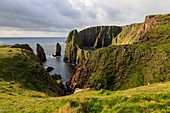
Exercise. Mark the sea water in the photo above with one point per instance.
(49, 45)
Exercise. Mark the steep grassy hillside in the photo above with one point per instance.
(120, 67)
(151, 98)
(20, 70)
(133, 33)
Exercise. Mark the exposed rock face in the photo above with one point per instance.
(74, 52)
(100, 36)
(58, 50)
(127, 66)
(95, 37)
(40, 53)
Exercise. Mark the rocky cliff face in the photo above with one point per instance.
(125, 66)
(95, 37)
(74, 52)
(100, 36)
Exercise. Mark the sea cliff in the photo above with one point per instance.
(139, 55)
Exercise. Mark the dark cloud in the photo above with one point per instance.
(65, 15)
(30, 14)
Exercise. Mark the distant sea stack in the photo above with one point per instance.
(40, 53)
(58, 50)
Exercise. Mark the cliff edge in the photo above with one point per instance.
(140, 56)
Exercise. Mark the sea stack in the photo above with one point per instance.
(41, 53)
(58, 50)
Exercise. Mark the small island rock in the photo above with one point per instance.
(49, 69)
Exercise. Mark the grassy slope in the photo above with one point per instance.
(20, 71)
(131, 33)
(151, 98)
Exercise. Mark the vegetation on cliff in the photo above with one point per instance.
(20, 70)
(133, 33)
(74, 52)
(125, 66)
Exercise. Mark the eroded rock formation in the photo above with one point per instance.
(100, 36)
(95, 37)
(74, 52)
(58, 50)
(40, 53)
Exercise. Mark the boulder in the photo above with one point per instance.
(40, 53)
(49, 69)
(9, 51)
(56, 76)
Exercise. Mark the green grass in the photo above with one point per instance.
(19, 93)
(151, 98)
(21, 68)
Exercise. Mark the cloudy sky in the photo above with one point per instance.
(55, 18)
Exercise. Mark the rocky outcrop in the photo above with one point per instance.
(58, 50)
(74, 52)
(23, 46)
(40, 53)
(121, 66)
(49, 69)
(57, 78)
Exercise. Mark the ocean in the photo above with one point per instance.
(49, 45)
